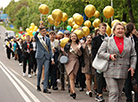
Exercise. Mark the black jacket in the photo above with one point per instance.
(96, 43)
(24, 49)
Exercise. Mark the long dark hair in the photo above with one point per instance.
(70, 41)
(130, 27)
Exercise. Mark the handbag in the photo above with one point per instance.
(100, 64)
(134, 84)
(64, 59)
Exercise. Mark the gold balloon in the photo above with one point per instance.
(32, 24)
(50, 19)
(87, 23)
(65, 17)
(72, 30)
(96, 28)
(86, 30)
(124, 22)
(56, 23)
(70, 21)
(63, 42)
(108, 11)
(114, 21)
(43, 8)
(89, 10)
(96, 14)
(108, 30)
(79, 33)
(27, 29)
(73, 23)
(31, 28)
(78, 19)
(75, 15)
(76, 26)
(96, 22)
(57, 15)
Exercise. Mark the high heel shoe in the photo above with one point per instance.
(73, 95)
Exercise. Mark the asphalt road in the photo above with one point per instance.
(16, 88)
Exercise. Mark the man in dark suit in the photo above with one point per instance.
(8, 48)
(27, 47)
(43, 57)
(96, 43)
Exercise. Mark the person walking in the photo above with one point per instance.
(130, 33)
(43, 57)
(121, 56)
(72, 67)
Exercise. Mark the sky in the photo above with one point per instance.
(4, 3)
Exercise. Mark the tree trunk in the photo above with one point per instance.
(130, 11)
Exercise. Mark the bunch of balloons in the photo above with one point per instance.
(31, 30)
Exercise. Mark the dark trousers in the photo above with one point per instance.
(33, 62)
(12, 53)
(25, 59)
(100, 82)
(8, 53)
(128, 88)
(20, 56)
(53, 74)
(62, 73)
(80, 78)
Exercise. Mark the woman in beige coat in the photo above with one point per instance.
(73, 51)
(88, 70)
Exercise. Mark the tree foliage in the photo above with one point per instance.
(21, 16)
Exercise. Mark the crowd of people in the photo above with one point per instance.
(43, 52)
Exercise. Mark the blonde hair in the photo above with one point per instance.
(115, 25)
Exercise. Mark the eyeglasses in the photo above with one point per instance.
(43, 31)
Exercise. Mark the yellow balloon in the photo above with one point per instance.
(30, 28)
(78, 19)
(63, 42)
(30, 32)
(43, 8)
(73, 23)
(86, 30)
(56, 23)
(124, 22)
(108, 30)
(35, 27)
(96, 14)
(65, 17)
(79, 33)
(76, 26)
(75, 15)
(32, 24)
(114, 21)
(50, 19)
(27, 29)
(72, 30)
(70, 21)
(87, 23)
(89, 10)
(16, 36)
(96, 22)
(96, 28)
(108, 11)
(57, 15)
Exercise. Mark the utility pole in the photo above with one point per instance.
(112, 6)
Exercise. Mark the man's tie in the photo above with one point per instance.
(43, 38)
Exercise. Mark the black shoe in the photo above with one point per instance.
(46, 91)
(73, 95)
(55, 88)
(90, 94)
(99, 98)
(38, 88)
(42, 82)
(81, 90)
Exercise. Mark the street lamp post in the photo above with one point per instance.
(112, 6)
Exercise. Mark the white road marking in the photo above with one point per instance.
(22, 85)
(16, 86)
(31, 84)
